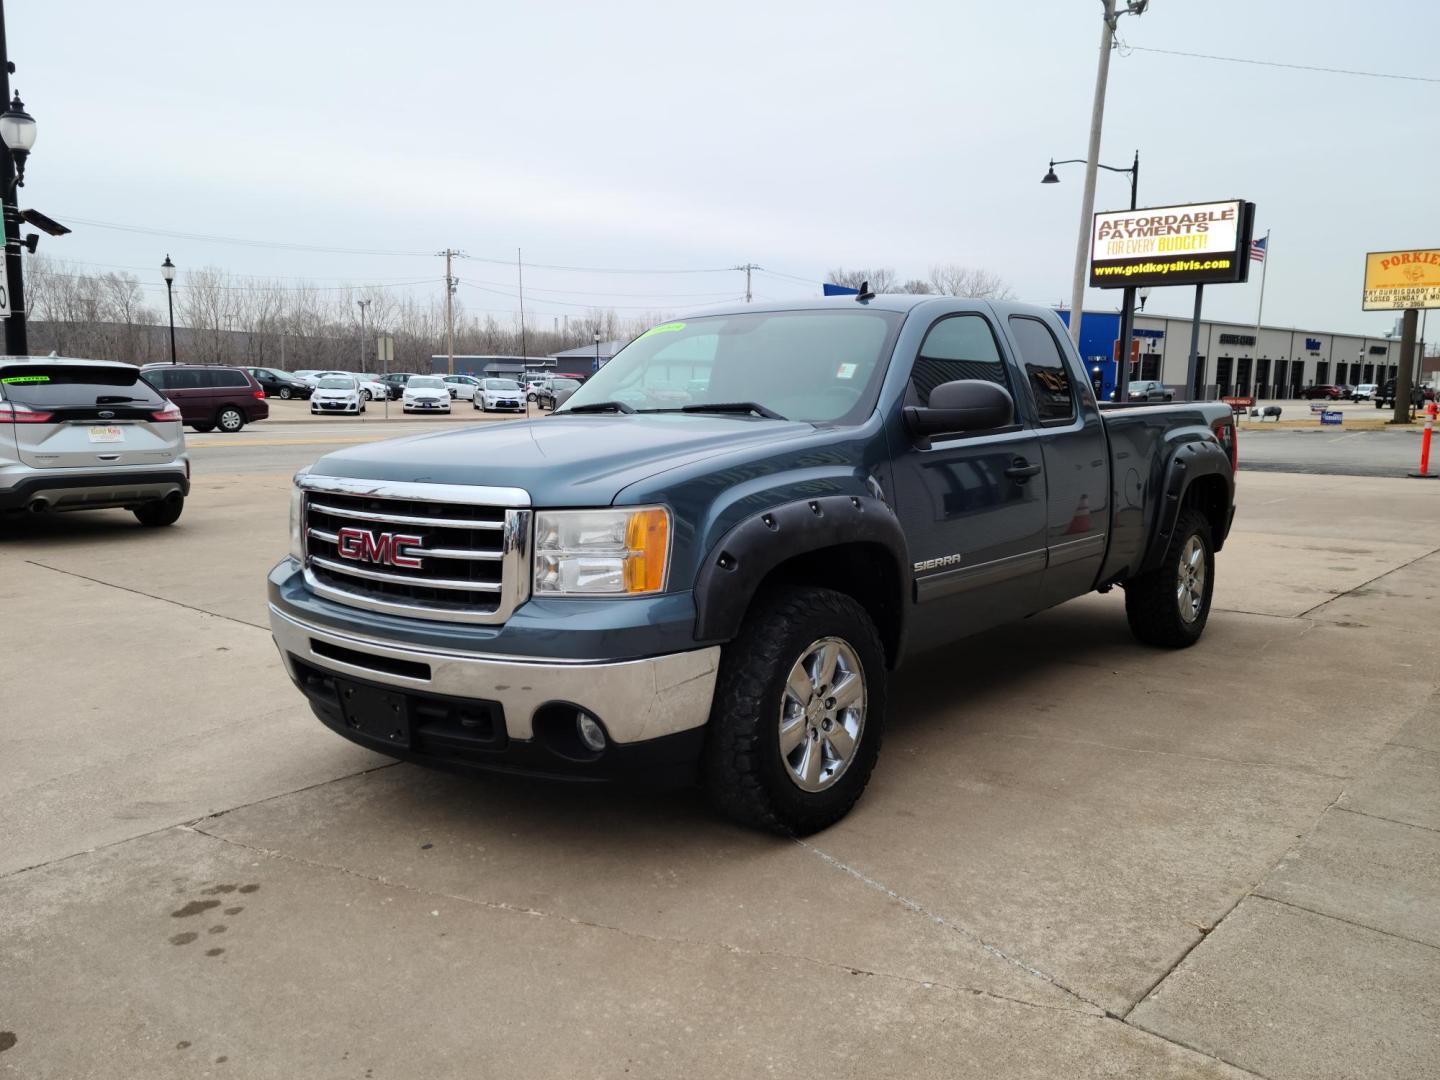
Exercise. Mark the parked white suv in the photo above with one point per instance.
(86, 435)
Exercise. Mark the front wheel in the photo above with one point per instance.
(799, 711)
(286, 393)
(1169, 606)
(365, 394)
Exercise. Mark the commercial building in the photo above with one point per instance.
(481, 367)
(587, 357)
(1282, 362)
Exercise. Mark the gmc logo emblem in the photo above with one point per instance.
(387, 549)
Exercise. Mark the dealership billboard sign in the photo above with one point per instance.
(1196, 244)
(1396, 280)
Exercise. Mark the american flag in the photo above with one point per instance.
(1257, 249)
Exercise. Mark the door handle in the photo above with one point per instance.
(1021, 470)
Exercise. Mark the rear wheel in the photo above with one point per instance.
(203, 428)
(1169, 606)
(799, 711)
(286, 393)
(230, 420)
(161, 512)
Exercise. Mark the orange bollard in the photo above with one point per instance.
(1425, 473)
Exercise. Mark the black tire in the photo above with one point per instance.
(230, 420)
(203, 429)
(530, 397)
(364, 394)
(745, 775)
(1152, 601)
(286, 393)
(362, 406)
(160, 513)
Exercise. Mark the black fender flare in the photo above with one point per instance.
(1189, 463)
(735, 567)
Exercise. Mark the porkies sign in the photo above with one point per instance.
(1201, 243)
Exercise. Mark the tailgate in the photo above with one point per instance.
(62, 415)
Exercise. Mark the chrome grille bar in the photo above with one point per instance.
(468, 592)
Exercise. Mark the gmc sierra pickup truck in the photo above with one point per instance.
(709, 560)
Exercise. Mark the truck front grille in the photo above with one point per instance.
(434, 551)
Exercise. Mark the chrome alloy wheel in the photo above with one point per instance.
(822, 713)
(1190, 581)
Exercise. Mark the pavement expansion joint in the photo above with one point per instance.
(658, 939)
(919, 909)
(1390, 820)
(1363, 584)
(1259, 895)
(150, 596)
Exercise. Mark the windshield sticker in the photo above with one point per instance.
(667, 328)
(24, 378)
(847, 371)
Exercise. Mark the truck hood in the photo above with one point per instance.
(560, 460)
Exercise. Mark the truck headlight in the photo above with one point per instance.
(601, 552)
(297, 518)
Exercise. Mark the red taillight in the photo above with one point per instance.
(169, 414)
(1229, 436)
(22, 414)
(260, 394)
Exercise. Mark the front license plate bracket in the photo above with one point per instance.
(380, 714)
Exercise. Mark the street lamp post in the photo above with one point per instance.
(1127, 316)
(597, 350)
(167, 271)
(17, 131)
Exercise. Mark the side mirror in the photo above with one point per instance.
(965, 405)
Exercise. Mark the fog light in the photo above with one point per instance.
(591, 733)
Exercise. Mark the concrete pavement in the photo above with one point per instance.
(1078, 856)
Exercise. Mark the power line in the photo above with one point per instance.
(601, 269)
(243, 241)
(1125, 48)
(570, 303)
(180, 283)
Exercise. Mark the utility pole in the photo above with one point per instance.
(449, 253)
(363, 304)
(1403, 378)
(747, 268)
(1087, 199)
(520, 273)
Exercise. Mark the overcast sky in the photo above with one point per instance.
(687, 136)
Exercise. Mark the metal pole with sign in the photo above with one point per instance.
(1407, 281)
(1194, 244)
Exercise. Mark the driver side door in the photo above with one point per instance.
(972, 503)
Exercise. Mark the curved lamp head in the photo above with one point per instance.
(167, 270)
(1050, 177)
(17, 130)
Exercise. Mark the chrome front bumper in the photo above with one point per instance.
(636, 700)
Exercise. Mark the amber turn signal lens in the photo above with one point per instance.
(647, 539)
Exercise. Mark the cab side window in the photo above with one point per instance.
(1045, 370)
(156, 377)
(956, 347)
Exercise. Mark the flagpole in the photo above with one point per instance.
(1260, 312)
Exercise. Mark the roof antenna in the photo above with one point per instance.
(864, 293)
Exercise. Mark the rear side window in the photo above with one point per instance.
(224, 377)
(54, 386)
(1045, 370)
(957, 347)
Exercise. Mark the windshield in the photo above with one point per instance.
(501, 384)
(815, 366)
(337, 382)
(425, 382)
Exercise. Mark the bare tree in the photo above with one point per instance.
(952, 279)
